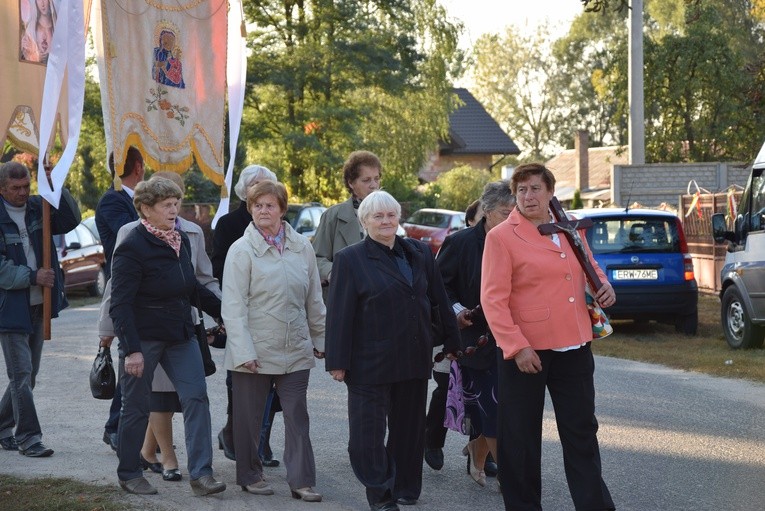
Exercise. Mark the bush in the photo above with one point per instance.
(460, 186)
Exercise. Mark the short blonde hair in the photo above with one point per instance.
(377, 202)
(148, 193)
(274, 188)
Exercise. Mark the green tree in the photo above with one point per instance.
(591, 79)
(460, 186)
(513, 81)
(326, 78)
(703, 98)
(576, 202)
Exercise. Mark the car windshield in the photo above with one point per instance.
(633, 234)
(429, 218)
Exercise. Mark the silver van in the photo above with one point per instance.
(743, 275)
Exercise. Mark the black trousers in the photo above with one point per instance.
(568, 376)
(435, 432)
(389, 470)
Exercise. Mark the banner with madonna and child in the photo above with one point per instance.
(163, 67)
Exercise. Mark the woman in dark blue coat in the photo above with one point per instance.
(379, 341)
(460, 263)
(153, 287)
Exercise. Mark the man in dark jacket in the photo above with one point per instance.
(21, 283)
(114, 210)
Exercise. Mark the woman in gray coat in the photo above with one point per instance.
(340, 226)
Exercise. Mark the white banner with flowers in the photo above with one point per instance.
(162, 65)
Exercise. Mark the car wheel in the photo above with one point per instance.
(99, 286)
(740, 332)
(687, 324)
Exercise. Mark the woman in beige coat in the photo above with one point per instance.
(274, 317)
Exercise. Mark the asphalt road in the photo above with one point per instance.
(669, 440)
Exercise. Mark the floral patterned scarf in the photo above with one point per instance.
(275, 241)
(171, 236)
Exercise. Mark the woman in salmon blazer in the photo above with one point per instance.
(533, 296)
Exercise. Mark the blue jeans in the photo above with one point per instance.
(22, 354)
(182, 361)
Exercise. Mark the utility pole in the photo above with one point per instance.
(636, 132)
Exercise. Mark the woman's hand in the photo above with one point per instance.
(528, 361)
(134, 364)
(105, 341)
(318, 354)
(606, 296)
(252, 366)
(338, 374)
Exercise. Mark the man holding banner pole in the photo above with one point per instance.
(22, 280)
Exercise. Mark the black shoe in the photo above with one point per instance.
(228, 449)
(269, 462)
(384, 506)
(172, 474)
(434, 458)
(155, 467)
(37, 450)
(110, 439)
(406, 501)
(9, 443)
(490, 467)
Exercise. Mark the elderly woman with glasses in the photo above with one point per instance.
(382, 297)
(153, 287)
(460, 262)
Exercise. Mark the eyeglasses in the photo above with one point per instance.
(470, 350)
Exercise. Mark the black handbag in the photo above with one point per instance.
(204, 348)
(102, 378)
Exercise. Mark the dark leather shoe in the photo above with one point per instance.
(206, 485)
(110, 439)
(269, 462)
(226, 447)
(384, 506)
(138, 486)
(406, 501)
(172, 474)
(9, 443)
(155, 467)
(434, 458)
(37, 450)
(490, 467)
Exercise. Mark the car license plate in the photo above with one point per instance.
(636, 274)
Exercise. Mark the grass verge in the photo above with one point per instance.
(45, 494)
(706, 352)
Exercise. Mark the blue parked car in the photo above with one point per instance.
(645, 256)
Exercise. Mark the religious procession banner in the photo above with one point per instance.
(162, 66)
(26, 32)
(43, 46)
